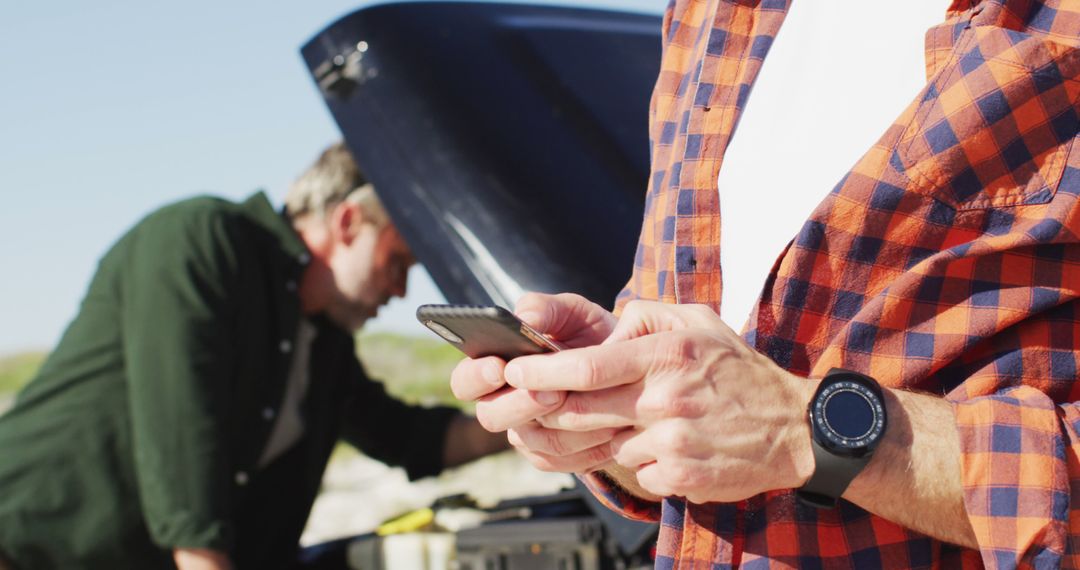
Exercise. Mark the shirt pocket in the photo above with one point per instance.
(994, 125)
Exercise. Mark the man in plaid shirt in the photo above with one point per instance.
(945, 265)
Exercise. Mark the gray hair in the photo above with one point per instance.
(333, 179)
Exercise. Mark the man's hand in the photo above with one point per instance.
(698, 413)
(575, 322)
(200, 559)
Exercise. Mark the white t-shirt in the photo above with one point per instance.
(838, 74)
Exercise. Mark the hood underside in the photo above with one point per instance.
(508, 142)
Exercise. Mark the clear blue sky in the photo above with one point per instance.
(109, 109)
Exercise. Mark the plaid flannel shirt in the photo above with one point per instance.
(946, 261)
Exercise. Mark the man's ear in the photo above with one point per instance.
(345, 222)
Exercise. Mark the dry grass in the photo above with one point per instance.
(17, 369)
(416, 370)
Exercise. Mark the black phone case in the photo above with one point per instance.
(484, 331)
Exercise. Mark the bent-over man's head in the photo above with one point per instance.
(359, 260)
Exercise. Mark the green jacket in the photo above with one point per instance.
(143, 430)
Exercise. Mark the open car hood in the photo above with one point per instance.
(508, 142)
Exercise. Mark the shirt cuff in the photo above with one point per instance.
(184, 531)
(1016, 476)
(614, 497)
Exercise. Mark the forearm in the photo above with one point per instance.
(467, 440)
(914, 478)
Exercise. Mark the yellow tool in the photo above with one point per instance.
(408, 522)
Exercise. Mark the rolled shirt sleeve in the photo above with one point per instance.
(614, 497)
(176, 315)
(1020, 463)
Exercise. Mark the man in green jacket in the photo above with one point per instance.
(188, 413)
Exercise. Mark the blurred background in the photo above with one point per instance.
(112, 109)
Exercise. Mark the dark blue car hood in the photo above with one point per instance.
(508, 142)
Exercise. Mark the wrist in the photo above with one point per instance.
(800, 450)
(847, 420)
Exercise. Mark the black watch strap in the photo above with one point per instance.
(832, 475)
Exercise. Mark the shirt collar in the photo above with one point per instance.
(259, 209)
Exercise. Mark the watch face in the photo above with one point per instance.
(848, 416)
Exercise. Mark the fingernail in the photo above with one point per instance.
(512, 374)
(547, 398)
(491, 376)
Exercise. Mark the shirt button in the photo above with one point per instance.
(290, 285)
(303, 258)
(285, 346)
(268, 414)
(241, 478)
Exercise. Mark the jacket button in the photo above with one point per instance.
(285, 346)
(268, 414)
(241, 478)
(290, 285)
(303, 258)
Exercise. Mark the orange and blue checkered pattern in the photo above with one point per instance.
(946, 261)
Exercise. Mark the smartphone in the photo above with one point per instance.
(481, 331)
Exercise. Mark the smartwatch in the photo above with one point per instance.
(847, 421)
